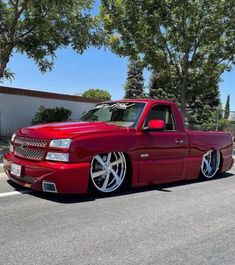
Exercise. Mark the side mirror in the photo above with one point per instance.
(156, 125)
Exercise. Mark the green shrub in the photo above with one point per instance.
(45, 115)
(98, 94)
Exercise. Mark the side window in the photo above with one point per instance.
(162, 112)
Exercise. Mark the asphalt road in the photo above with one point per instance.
(185, 223)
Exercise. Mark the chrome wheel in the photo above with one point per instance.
(108, 171)
(210, 164)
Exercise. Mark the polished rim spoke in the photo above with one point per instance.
(119, 161)
(98, 174)
(106, 181)
(117, 178)
(109, 157)
(100, 160)
(208, 167)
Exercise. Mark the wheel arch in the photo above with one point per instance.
(129, 169)
(221, 161)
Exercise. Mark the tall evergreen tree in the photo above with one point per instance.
(204, 109)
(161, 86)
(201, 109)
(134, 86)
(227, 108)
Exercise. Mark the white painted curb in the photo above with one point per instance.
(12, 193)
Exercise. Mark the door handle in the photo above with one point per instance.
(179, 141)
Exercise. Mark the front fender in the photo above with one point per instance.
(82, 150)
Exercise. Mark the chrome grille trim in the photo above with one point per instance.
(36, 154)
(29, 148)
(31, 142)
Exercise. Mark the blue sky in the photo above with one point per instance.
(73, 73)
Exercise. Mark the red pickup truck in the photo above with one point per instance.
(137, 141)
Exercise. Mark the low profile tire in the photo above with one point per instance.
(210, 164)
(108, 172)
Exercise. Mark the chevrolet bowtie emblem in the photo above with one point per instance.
(24, 146)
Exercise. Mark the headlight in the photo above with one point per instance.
(63, 157)
(60, 143)
(13, 137)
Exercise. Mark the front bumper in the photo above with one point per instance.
(68, 177)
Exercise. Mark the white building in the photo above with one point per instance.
(232, 116)
(18, 106)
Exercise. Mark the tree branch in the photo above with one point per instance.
(197, 39)
(33, 28)
(11, 37)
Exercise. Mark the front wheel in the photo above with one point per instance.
(108, 171)
(210, 164)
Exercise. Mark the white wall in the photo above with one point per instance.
(17, 111)
(232, 116)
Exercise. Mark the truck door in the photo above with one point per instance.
(162, 153)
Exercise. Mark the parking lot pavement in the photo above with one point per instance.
(182, 224)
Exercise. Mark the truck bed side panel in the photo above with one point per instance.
(201, 142)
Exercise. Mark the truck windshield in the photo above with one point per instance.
(124, 114)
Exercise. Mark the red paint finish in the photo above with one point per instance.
(69, 177)
(166, 157)
(153, 156)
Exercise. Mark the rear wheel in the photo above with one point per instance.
(108, 171)
(210, 164)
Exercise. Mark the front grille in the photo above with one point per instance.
(36, 154)
(30, 142)
(25, 179)
(30, 148)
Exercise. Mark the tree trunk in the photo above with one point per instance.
(183, 98)
(3, 66)
(4, 60)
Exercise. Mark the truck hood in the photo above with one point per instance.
(68, 130)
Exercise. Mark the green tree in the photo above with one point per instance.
(134, 86)
(226, 125)
(38, 27)
(161, 86)
(227, 108)
(204, 109)
(186, 38)
(98, 94)
(201, 109)
(45, 115)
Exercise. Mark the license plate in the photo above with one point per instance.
(16, 170)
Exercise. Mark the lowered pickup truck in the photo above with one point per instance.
(140, 142)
